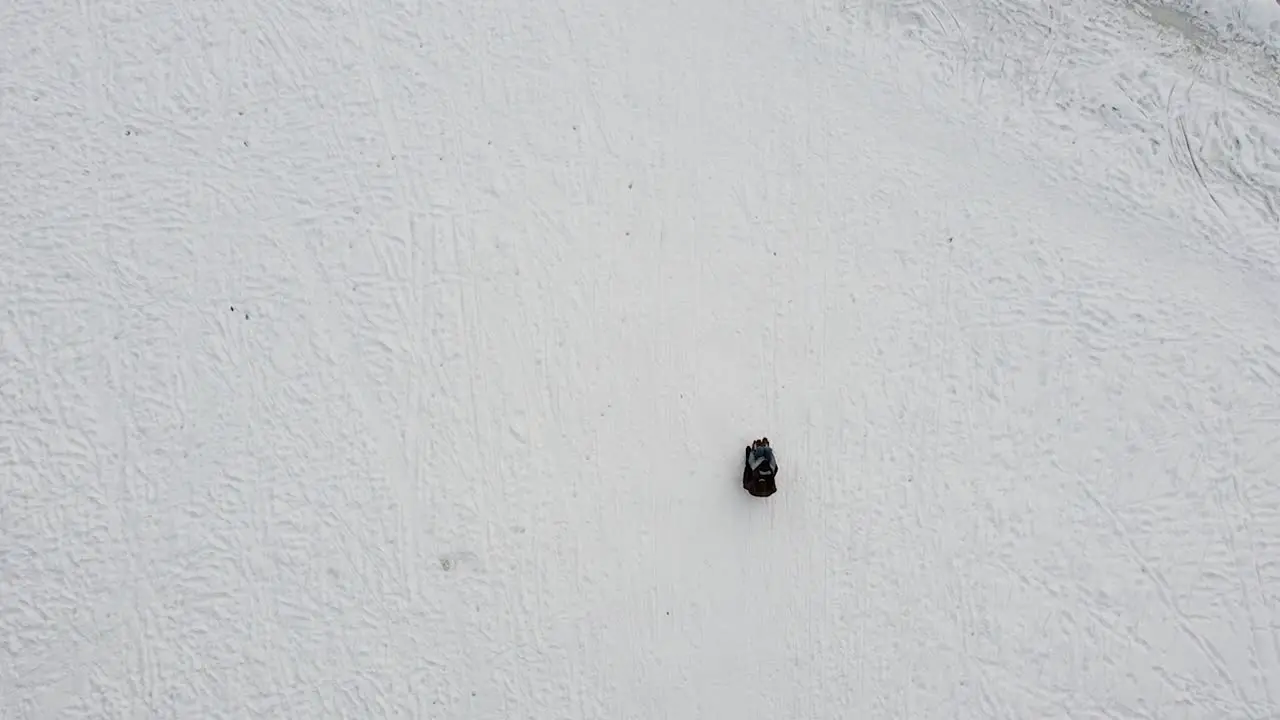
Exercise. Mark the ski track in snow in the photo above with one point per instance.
(396, 360)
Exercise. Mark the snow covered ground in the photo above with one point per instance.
(1256, 22)
(396, 359)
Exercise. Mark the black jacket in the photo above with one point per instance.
(760, 471)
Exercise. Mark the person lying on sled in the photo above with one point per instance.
(760, 469)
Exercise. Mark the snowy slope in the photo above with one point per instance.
(396, 360)
(1254, 22)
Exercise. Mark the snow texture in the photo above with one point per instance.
(396, 359)
(1252, 21)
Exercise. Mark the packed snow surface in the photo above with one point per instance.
(396, 359)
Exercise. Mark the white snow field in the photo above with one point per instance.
(395, 360)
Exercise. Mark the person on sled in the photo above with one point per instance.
(760, 470)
